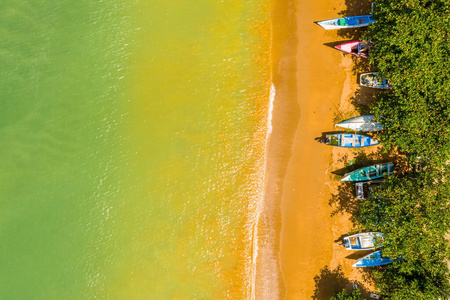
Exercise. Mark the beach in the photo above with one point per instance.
(314, 213)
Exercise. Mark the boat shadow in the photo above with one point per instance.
(333, 44)
(329, 281)
(361, 160)
(359, 254)
(324, 134)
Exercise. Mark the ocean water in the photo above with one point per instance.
(133, 137)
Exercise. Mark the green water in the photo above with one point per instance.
(132, 150)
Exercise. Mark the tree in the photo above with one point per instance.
(343, 295)
(411, 49)
(413, 213)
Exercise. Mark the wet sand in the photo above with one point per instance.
(313, 209)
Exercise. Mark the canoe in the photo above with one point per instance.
(364, 123)
(374, 259)
(371, 80)
(347, 22)
(364, 188)
(350, 140)
(369, 173)
(356, 48)
(362, 241)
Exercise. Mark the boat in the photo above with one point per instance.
(363, 189)
(369, 173)
(356, 48)
(371, 80)
(347, 22)
(349, 140)
(362, 241)
(364, 123)
(374, 259)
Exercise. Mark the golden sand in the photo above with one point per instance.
(316, 85)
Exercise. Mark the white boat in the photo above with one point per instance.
(362, 241)
(347, 22)
(371, 80)
(362, 123)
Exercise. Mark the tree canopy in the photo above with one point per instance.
(343, 295)
(411, 47)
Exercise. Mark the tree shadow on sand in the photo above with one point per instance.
(364, 99)
(330, 281)
(354, 8)
(344, 199)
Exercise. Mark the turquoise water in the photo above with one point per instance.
(133, 140)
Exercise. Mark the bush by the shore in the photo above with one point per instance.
(412, 49)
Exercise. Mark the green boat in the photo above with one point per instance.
(370, 172)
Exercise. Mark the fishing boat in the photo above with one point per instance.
(356, 48)
(363, 189)
(369, 173)
(371, 80)
(362, 241)
(349, 140)
(374, 259)
(347, 22)
(364, 123)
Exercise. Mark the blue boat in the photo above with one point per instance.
(347, 22)
(374, 259)
(370, 173)
(350, 140)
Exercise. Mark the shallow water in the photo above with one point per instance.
(133, 147)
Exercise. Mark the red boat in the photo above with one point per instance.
(356, 48)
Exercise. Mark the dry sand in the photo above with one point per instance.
(314, 205)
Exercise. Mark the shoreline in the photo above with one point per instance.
(269, 282)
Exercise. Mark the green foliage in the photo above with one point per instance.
(404, 280)
(411, 48)
(413, 212)
(343, 295)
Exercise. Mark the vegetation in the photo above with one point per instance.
(412, 49)
(413, 213)
(343, 295)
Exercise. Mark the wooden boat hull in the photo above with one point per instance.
(374, 259)
(355, 48)
(362, 241)
(369, 173)
(363, 188)
(370, 80)
(350, 140)
(347, 22)
(364, 123)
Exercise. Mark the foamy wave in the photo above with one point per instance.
(264, 238)
(269, 114)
